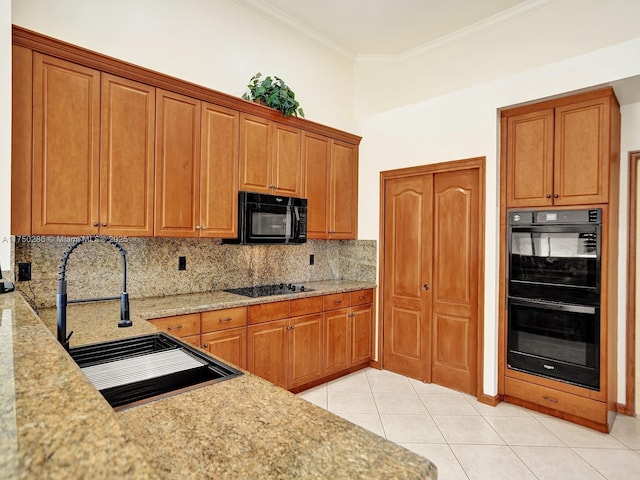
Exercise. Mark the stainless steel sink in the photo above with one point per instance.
(137, 370)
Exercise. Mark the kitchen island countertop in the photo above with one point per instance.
(239, 428)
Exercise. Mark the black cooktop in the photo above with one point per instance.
(267, 290)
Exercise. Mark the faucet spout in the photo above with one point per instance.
(61, 293)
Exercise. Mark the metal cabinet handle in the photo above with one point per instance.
(104, 224)
(362, 297)
(204, 227)
(197, 227)
(223, 320)
(95, 224)
(548, 195)
(425, 287)
(206, 345)
(337, 302)
(550, 399)
(176, 327)
(556, 195)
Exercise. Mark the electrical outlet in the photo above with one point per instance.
(24, 272)
(312, 259)
(182, 263)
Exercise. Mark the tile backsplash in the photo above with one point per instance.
(95, 269)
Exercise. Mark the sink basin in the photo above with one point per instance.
(137, 370)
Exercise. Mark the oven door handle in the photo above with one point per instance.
(565, 307)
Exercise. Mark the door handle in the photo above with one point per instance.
(425, 287)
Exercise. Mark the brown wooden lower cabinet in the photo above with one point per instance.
(305, 350)
(586, 411)
(180, 325)
(192, 340)
(348, 336)
(286, 352)
(291, 343)
(267, 351)
(229, 345)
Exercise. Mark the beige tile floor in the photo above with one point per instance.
(470, 440)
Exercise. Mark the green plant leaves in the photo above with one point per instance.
(274, 93)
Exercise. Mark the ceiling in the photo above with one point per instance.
(370, 28)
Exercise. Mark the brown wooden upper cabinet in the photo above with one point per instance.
(219, 172)
(196, 163)
(559, 154)
(93, 151)
(270, 159)
(331, 187)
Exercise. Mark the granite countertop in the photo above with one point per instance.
(56, 425)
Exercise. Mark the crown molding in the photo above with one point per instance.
(495, 21)
(286, 21)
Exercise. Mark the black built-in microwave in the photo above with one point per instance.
(270, 219)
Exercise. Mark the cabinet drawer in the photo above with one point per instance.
(222, 319)
(305, 306)
(556, 400)
(337, 300)
(266, 312)
(362, 297)
(180, 325)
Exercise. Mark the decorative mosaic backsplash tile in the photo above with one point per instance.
(95, 269)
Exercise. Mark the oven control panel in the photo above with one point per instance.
(558, 217)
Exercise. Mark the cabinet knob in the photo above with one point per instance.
(197, 227)
(95, 224)
(104, 224)
(548, 195)
(425, 287)
(206, 345)
(556, 195)
(204, 227)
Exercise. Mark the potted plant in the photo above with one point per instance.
(274, 93)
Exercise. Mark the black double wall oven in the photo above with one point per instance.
(553, 327)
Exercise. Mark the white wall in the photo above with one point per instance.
(215, 43)
(5, 132)
(629, 141)
(464, 124)
(530, 35)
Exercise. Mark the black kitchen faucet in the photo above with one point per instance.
(61, 295)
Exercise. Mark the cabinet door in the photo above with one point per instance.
(337, 341)
(343, 191)
(127, 157)
(267, 354)
(66, 147)
(305, 350)
(21, 139)
(581, 169)
(286, 171)
(316, 155)
(530, 159)
(229, 345)
(177, 165)
(256, 150)
(219, 172)
(361, 334)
